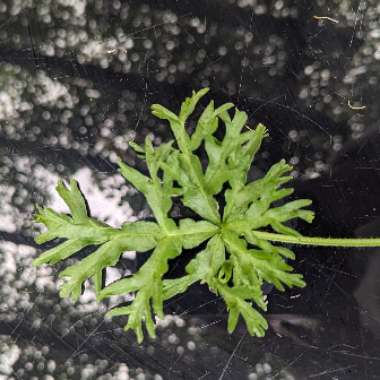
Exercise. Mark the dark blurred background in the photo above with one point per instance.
(77, 78)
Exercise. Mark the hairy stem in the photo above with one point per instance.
(320, 241)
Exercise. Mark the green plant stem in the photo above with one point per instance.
(320, 241)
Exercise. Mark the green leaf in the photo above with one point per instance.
(237, 258)
(148, 283)
(53, 221)
(257, 195)
(79, 230)
(138, 180)
(138, 236)
(208, 262)
(194, 233)
(74, 199)
(269, 265)
(60, 252)
(204, 206)
(172, 287)
(159, 201)
(187, 171)
(207, 123)
(241, 159)
(190, 103)
(222, 154)
(163, 113)
(139, 150)
(238, 305)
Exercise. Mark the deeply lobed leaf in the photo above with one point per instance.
(236, 260)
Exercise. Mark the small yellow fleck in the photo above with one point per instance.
(355, 108)
(335, 21)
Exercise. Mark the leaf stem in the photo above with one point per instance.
(320, 241)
